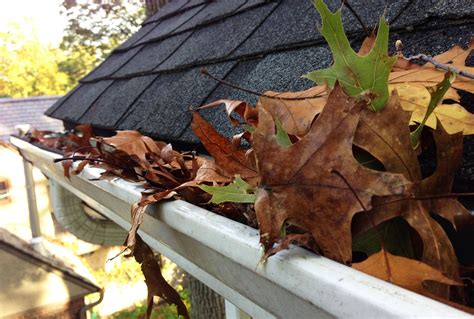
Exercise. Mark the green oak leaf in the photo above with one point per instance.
(437, 94)
(282, 137)
(357, 74)
(237, 192)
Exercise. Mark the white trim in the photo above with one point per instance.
(225, 255)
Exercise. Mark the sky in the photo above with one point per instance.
(40, 15)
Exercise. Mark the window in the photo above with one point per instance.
(4, 190)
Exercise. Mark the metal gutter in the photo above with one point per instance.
(225, 256)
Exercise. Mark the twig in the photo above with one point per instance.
(439, 65)
(356, 15)
(205, 72)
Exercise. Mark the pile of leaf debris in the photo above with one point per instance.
(334, 168)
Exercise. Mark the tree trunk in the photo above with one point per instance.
(205, 303)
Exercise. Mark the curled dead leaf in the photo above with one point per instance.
(404, 272)
(231, 160)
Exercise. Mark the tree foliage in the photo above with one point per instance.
(27, 66)
(93, 29)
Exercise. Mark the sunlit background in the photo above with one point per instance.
(47, 46)
(38, 19)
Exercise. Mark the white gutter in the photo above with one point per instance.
(225, 256)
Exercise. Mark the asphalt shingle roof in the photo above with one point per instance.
(26, 111)
(149, 82)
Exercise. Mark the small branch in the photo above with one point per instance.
(356, 15)
(439, 65)
(205, 72)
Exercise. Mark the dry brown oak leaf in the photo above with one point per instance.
(428, 76)
(298, 183)
(386, 136)
(404, 272)
(230, 159)
(156, 284)
(244, 109)
(295, 110)
(77, 143)
(135, 145)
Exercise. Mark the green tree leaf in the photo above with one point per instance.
(282, 137)
(237, 192)
(357, 74)
(437, 93)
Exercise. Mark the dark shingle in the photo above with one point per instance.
(273, 33)
(301, 22)
(419, 12)
(136, 36)
(286, 70)
(434, 41)
(217, 115)
(77, 104)
(251, 3)
(452, 9)
(153, 54)
(163, 109)
(213, 10)
(193, 3)
(112, 64)
(26, 111)
(50, 111)
(169, 25)
(217, 40)
(171, 7)
(370, 12)
(282, 71)
(114, 102)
